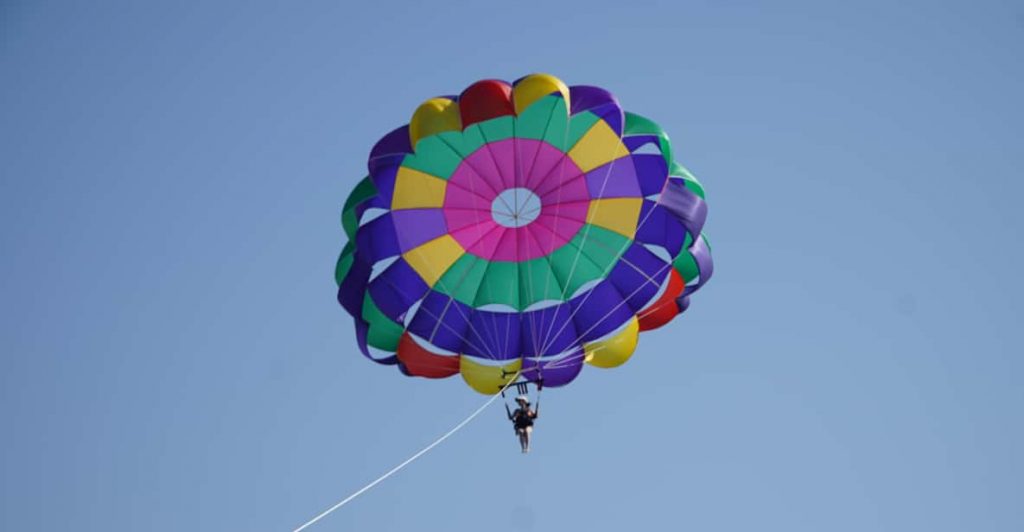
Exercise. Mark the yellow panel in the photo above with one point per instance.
(617, 214)
(616, 350)
(432, 259)
(536, 86)
(417, 190)
(598, 146)
(485, 379)
(434, 116)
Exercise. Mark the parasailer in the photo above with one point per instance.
(522, 420)
(519, 231)
(523, 416)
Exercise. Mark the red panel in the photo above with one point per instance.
(485, 100)
(423, 363)
(665, 308)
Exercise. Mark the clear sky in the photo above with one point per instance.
(173, 358)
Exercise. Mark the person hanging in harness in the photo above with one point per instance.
(522, 420)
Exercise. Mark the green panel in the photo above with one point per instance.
(463, 278)
(685, 263)
(363, 191)
(688, 241)
(562, 263)
(434, 157)
(344, 262)
(603, 246)
(639, 125)
(557, 132)
(579, 124)
(594, 251)
(501, 128)
(349, 222)
(500, 284)
(463, 142)
(677, 170)
(535, 121)
(695, 187)
(384, 333)
(537, 282)
(686, 266)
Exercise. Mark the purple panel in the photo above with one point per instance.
(617, 179)
(548, 329)
(705, 265)
(384, 179)
(396, 289)
(416, 226)
(650, 228)
(660, 228)
(554, 373)
(586, 97)
(683, 302)
(353, 286)
(377, 240)
(651, 173)
(638, 281)
(633, 142)
(612, 114)
(496, 337)
(394, 145)
(599, 311)
(562, 374)
(362, 328)
(686, 206)
(598, 101)
(441, 320)
(371, 203)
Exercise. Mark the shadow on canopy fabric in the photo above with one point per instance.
(519, 229)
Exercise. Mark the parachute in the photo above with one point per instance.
(518, 232)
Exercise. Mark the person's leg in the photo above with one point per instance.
(526, 438)
(522, 439)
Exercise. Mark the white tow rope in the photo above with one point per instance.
(408, 461)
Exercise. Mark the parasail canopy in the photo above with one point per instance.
(519, 230)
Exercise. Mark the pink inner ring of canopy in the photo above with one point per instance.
(515, 163)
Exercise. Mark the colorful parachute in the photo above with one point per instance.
(518, 231)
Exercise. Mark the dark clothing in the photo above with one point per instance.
(523, 417)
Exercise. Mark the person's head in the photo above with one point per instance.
(523, 401)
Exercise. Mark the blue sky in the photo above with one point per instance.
(173, 357)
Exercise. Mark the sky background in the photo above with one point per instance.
(173, 357)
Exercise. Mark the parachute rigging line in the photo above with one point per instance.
(408, 461)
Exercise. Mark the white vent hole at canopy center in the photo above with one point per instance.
(515, 207)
